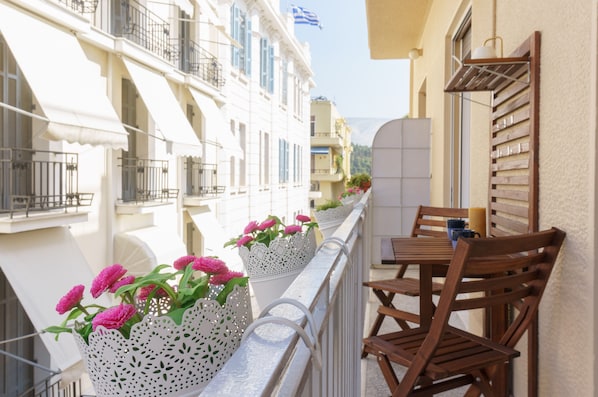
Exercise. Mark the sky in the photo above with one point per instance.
(366, 92)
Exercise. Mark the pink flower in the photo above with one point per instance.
(251, 227)
(144, 292)
(268, 223)
(223, 278)
(292, 229)
(244, 240)
(106, 278)
(123, 281)
(303, 218)
(70, 300)
(210, 265)
(114, 317)
(183, 262)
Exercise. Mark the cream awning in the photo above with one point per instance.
(42, 266)
(165, 110)
(216, 128)
(141, 250)
(68, 87)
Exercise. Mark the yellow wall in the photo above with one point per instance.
(567, 159)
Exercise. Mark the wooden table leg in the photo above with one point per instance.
(426, 306)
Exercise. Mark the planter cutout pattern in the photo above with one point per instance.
(271, 269)
(329, 220)
(162, 358)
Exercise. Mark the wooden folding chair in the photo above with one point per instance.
(485, 273)
(429, 222)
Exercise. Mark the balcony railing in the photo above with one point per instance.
(133, 21)
(194, 59)
(81, 6)
(145, 180)
(202, 179)
(331, 288)
(39, 180)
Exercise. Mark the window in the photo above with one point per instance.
(283, 161)
(241, 31)
(243, 161)
(15, 128)
(284, 82)
(232, 158)
(460, 128)
(312, 125)
(129, 162)
(264, 158)
(298, 163)
(266, 65)
(16, 377)
(298, 97)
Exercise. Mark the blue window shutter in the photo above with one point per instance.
(280, 161)
(263, 62)
(248, 49)
(271, 69)
(234, 29)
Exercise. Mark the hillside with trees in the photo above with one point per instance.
(361, 159)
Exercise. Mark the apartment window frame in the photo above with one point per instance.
(460, 121)
(240, 27)
(266, 65)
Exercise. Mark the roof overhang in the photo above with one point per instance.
(395, 26)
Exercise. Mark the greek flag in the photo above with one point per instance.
(303, 16)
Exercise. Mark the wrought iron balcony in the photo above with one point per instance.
(202, 179)
(133, 21)
(145, 180)
(39, 180)
(194, 59)
(81, 6)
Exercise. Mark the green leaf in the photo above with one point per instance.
(177, 315)
(228, 288)
(57, 330)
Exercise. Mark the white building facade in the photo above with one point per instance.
(135, 132)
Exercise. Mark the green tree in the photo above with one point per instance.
(361, 160)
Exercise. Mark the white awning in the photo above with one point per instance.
(214, 237)
(42, 266)
(165, 110)
(206, 10)
(185, 5)
(66, 84)
(216, 128)
(141, 250)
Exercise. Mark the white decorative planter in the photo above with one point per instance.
(162, 358)
(329, 220)
(352, 200)
(271, 269)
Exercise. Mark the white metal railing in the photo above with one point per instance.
(276, 359)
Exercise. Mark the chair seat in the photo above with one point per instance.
(457, 353)
(405, 286)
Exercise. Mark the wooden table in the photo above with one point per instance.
(429, 254)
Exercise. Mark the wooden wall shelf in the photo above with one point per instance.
(488, 74)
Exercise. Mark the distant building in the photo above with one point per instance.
(135, 132)
(330, 151)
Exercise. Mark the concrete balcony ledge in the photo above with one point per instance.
(39, 220)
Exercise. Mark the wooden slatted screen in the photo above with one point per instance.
(514, 138)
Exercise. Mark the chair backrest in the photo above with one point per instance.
(431, 221)
(491, 272)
